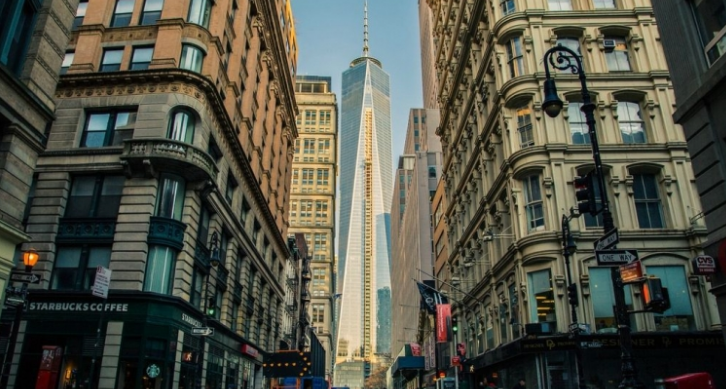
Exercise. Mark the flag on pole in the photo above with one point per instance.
(430, 297)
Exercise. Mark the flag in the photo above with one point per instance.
(443, 322)
(430, 297)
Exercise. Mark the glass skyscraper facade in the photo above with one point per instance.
(365, 193)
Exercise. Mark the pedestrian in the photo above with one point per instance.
(520, 385)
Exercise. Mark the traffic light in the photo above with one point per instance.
(211, 307)
(655, 296)
(585, 193)
(454, 324)
(572, 294)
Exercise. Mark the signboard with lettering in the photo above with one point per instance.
(103, 279)
(704, 265)
(631, 272)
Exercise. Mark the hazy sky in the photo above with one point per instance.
(330, 36)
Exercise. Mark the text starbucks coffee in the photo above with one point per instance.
(78, 307)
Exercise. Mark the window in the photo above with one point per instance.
(514, 57)
(200, 278)
(111, 61)
(80, 14)
(598, 4)
(318, 277)
(603, 300)
(679, 317)
(560, 5)
(309, 146)
(75, 267)
(710, 17)
(122, 13)
(310, 117)
(170, 200)
(234, 318)
(617, 57)
(95, 196)
(321, 209)
(108, 128)
(579, 131)
(533, 203)
(647, 201)
(231, 186)
(67, 62)
(307, 176)
(542, 299)
(191, 58)
(199, 11)
(17, 19)
(323, 146)
(158, 277)
(141, 58)
(524, 127)
(630, 120)
(507, 6)
(325, 117)
(318, 313)
(432, 172)
(181, 126)
(572, 44)
(151, 12)
(323, 175)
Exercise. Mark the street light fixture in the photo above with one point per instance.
(563, 58)
(30, 258)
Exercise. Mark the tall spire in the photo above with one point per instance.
(365, 29)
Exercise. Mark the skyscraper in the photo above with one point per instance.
(365, 192)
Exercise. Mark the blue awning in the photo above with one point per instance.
(407, 363)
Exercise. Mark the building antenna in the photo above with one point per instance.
(365, 29)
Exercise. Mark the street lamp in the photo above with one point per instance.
(563, 58)
(19, 296)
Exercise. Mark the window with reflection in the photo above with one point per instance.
(679, 317)
(507, 7)
(603, 4)
(617, 57)
(647, 201)
(181, 126)
(141, 58)
(542, 300)
(170, 199)
(710, 19)
(151, 11)
(199, 11)
(603, 301)
(158, 277)
(559, 5)
(122, 13)
(80, 14)
(67, 61)
(573, 44)
(95, 196)
(17, 20)
(631, 123)
(192, 58)
(75, 267)
(515, 57)
(533, 202)
(111, 60)
(524, 127)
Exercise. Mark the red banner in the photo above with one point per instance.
(443, 322)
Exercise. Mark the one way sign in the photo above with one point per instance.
(615, 257)
(31, 278)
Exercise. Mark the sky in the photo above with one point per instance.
(330, 36)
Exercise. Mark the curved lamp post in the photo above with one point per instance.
(563, 58)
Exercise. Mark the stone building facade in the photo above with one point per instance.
(508, 180)
(169, 163)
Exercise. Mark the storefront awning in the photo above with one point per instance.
(404, 364)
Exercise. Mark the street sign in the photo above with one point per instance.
(456, 361)
(31, 278)
(204, 331)
(616, 257)
(608, 240)
(631, 272)
(100, 285)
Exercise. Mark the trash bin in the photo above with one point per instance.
(701, 380)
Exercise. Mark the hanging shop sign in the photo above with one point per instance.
(704, 265)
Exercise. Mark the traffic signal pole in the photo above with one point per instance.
(568, 248)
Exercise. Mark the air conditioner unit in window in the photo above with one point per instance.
(609, 44)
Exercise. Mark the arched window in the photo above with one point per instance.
(191, 58)
(181, 126)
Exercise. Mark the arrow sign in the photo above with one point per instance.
(616, 257)
(607, 241)
(31, 278)
(204, 331)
